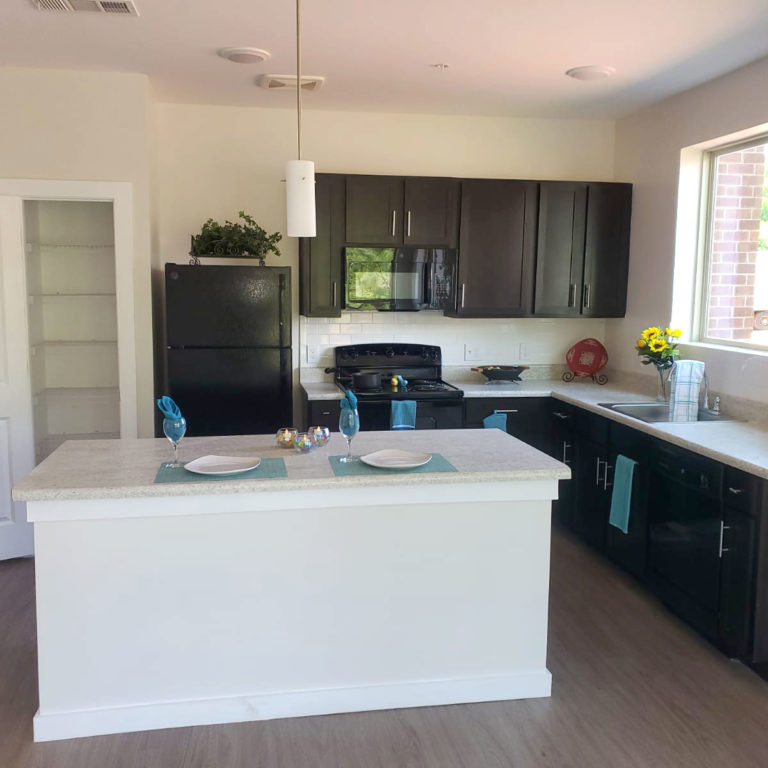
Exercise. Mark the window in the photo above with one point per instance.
(733, 307)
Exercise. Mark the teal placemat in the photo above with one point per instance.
(438, 464)
(268, 468)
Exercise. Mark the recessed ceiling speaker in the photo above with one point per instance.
(590, 72)
(243, 55)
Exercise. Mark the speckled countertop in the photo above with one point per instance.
(115, 469)
(740, 444)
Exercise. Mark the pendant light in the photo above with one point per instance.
(300, 174)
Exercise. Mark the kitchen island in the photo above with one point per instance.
(165, 605)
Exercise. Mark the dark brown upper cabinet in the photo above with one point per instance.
(320, 257)
(431, 212)
(606, 252)
(392, 210)
(374, 210)
(496, 248)
(582, 252)
(560, 248)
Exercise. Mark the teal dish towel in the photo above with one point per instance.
(496, 421)
(403, 414)
(621, 498)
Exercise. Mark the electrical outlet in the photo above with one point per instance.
(313, 353)
(524, 354)
(472, 353)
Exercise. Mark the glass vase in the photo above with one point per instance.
(662, 394)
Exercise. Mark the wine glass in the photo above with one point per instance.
(174, 430)
(349, 426)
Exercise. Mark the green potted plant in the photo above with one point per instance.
(234, 240)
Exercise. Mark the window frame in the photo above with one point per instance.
(705, 244)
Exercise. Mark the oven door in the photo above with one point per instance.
(386, 278)
(430, 414)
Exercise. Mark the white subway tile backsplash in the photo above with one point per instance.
(545, 340)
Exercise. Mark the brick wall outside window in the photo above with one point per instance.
(737, 202)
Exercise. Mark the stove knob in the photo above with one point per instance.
(389, 352)
(355, 355)
(425, 354)
(344, 355)
(433, 354)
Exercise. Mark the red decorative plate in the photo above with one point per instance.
(586, 358)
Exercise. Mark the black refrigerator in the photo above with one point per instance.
(228, 347)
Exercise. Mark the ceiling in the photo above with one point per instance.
(505, 57)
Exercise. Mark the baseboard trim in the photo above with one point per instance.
(51, 726)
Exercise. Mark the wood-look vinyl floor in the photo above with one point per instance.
(633, 687)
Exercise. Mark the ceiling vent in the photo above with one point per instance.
(288, 82)
(118, 7)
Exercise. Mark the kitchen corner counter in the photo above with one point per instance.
(740, 444)
(321, 390)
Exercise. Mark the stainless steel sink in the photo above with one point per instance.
(656, 412)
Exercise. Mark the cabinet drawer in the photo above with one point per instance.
(324, 413)
(743, 491)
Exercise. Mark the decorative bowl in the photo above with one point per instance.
(501, 372)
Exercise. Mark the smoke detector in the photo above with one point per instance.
(119, 7)
(590, 72)
(245, 55)
(288, 82)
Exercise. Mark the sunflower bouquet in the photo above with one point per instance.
(658, 346)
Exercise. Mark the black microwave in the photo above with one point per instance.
(399, 279)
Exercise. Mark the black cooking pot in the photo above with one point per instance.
(362, 380)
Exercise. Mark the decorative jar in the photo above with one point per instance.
(286, 436)
(321, 435)
(304, 442)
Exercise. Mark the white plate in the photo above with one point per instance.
(222, 465)
(392, 458)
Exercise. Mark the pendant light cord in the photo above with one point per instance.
(298, 76)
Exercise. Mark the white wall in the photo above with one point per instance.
(648, 146)
(94, 127)
(213, 161)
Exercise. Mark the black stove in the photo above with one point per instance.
(439, 405)
(419, 364)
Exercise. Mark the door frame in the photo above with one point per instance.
(120, 194)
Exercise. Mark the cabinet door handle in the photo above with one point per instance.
(586, 295)
(566, 446)
(394, 222)
(735, 491)
(462, 295)
(325, 413)
(506, 410)
(560, 415)
(333, 300)
(408, 225)
(606, 484)
(720, 548)
(598, 462)
(572, 295)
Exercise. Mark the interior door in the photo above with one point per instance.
(17, 453)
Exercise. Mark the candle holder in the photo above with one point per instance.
(304, 442)
(286, 437)
(321, 435)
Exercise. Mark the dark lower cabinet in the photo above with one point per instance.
(589, 516)
(629, 549)
(525, 417)
(737, 574)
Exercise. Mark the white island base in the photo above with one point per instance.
(229, 605)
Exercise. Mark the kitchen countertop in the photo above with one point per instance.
(120, 469)
(740, 444)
